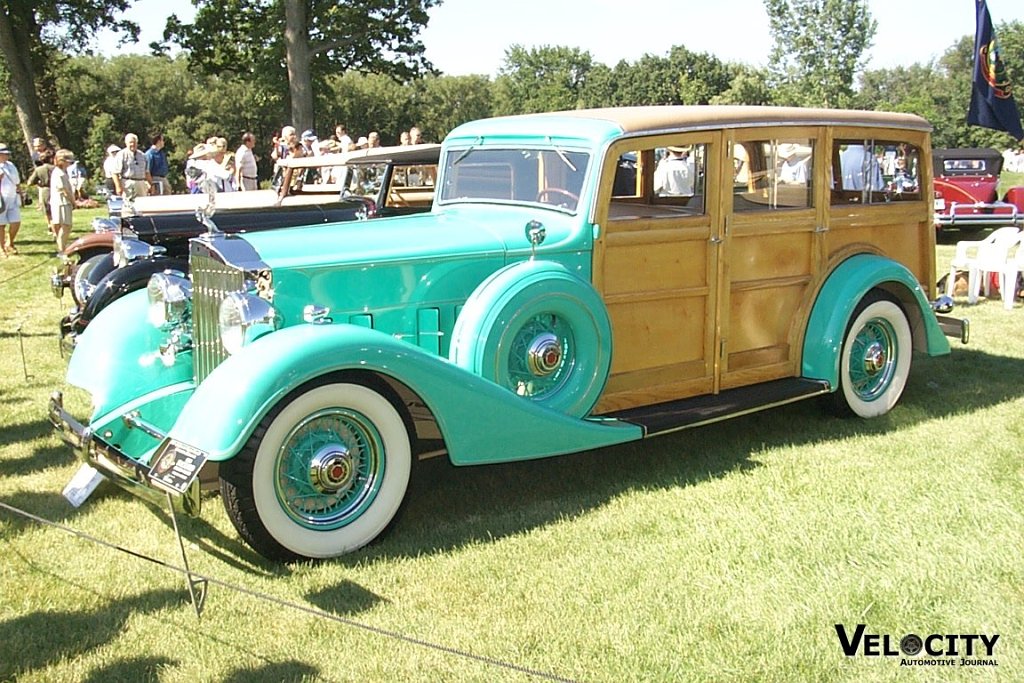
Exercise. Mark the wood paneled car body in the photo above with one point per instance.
(583, 279)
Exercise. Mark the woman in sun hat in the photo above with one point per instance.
(62, 197)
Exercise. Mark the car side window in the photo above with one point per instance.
(660, 180)
(867, 171)
(773, 174)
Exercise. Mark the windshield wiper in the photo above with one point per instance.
(469, 149)
(562, 155)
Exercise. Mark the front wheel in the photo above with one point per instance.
(875, 360)
(87, 274)
(321, 476)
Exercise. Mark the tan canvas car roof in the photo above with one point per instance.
(663, 118)
(417, 154)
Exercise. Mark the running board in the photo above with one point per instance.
(701, 410)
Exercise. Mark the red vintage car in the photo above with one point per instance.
(966, 191)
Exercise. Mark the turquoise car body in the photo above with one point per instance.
(389, 297)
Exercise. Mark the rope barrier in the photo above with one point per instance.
(41, 264)
(312, 611)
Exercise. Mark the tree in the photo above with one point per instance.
(34, 36)
(310, 38)
(541, 79)
(819, 48)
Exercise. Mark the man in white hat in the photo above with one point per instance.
(10, 201)
(673, 175)
(110, 168)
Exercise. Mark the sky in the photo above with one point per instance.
(470, 36)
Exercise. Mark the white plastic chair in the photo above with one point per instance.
(978, 257)
(1008, 275)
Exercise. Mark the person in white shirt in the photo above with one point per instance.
(673, 177)
(10, 198)
(110, 168)
(245, 164)
(62, 197)
(793, 170)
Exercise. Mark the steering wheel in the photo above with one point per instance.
(557, 191)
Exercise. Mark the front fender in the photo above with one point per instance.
(130, 278)
(480, 421)
(117, 358)
(841, 293)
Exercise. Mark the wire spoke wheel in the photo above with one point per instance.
(540, 357)
(323, 474)
(330, 468)
(875, 360)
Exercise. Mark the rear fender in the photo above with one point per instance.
(841, 293)
(90, 245)
(480, 421)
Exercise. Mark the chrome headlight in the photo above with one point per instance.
(243, 318)
(127, 250)
(106, 224)
(170, 297)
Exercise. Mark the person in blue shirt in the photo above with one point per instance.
(156, 161)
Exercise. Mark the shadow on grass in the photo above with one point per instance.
(37, 461)
(345, 599)
(36, 640)
(278, 672)
(136, 670)
(50, 505)
(26, 431)
(450, 507)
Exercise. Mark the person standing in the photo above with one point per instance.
(156, 161)
(41, 178)
(245, 164)
(131, 179)
(62, 197)
(10, 201)
(673, 176)
(110, 166)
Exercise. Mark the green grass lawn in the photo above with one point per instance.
(725, 553)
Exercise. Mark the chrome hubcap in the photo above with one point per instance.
(544, 355)
(874, 358)
(331, 470)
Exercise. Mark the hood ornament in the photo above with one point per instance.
(204, 214)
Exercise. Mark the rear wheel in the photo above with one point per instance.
(875, 360)
(323, 475)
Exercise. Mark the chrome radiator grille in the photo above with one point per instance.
(212, 282)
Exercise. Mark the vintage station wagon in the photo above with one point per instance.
(583, 279)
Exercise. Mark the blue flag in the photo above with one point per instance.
(992, 104)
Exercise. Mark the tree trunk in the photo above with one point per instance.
(22, 81)
(297, 57)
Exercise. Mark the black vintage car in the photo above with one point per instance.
(123, 252)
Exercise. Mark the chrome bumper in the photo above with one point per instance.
(121, 469)
(968, 217)
(955, 327)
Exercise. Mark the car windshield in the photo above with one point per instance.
(552, 177)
